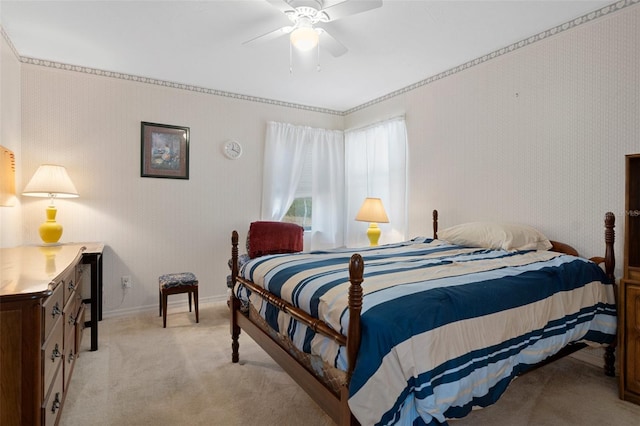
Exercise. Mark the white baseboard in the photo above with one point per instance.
(148, 308)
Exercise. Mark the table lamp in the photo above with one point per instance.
(372, 211)
(51, 181)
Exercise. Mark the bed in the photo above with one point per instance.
(430, 329)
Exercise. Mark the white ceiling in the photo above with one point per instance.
(200, 43)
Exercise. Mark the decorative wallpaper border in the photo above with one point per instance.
(171, 84)
(9, 42)
(604, 11)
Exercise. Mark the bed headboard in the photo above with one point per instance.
(609, 239)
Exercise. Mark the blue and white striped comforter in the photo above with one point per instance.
(444, 328)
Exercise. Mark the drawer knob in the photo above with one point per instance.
(56, 403)
(55, 353)
(72, 320)
(71, 357)
(55, 310)
(71, 285)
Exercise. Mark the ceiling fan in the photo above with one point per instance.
(304, 33)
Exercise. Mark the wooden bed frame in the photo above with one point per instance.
(335, 404)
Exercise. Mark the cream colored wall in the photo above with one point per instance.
(537, 135)
(91, 124)
(10, 217)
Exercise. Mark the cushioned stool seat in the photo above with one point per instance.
(183, 282)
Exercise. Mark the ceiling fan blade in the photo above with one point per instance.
(270, 35)
(331, 44)
(282, 5)
(346, 8)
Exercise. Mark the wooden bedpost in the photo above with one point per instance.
(435, 224)
(356, 269)
(234, 303)
(609, 261)
(609, 266)
(609, 239)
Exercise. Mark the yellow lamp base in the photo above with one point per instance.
(50, 231)
(373, 232)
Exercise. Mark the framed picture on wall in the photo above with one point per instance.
(7, 177)
(165, 151)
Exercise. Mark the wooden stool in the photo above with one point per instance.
(184, 282)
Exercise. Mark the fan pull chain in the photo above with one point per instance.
(290, 58)
(318, 46)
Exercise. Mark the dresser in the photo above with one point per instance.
(629, 306)
(41, 323)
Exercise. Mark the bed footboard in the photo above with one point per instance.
(334, 404)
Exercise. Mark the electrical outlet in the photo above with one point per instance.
(126, 281)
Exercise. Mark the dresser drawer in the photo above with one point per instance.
(80, 327)
(70, 317)
(79, 284)
(70, 282)
(70, 356)
(52, 310)
(52, 354)
(53, 402)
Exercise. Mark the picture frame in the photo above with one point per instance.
(164, 151)
(7, 177)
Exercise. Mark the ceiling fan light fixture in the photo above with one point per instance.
(304, 38)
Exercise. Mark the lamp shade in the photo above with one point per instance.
(304, 37)
(372, 210)
(50, 180)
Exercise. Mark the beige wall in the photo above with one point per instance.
(537, 136)
(10, 217)
(91, 124)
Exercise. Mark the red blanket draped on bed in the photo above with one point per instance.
(267, 237)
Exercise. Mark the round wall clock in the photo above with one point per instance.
(232, 149)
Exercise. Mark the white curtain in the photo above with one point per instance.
(285, 150)
(283, 160)
(376, 166)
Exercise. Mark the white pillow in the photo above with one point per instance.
(506, 236)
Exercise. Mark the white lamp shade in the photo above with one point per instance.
(50, 180)
(304, 38)
(372, 210)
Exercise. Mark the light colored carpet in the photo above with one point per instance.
(143, 374)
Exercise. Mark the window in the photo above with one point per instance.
(318, 179)
(301, 210)
(375, 166)
(304, 180)
(300, 213)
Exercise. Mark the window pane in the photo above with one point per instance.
(300, 213)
